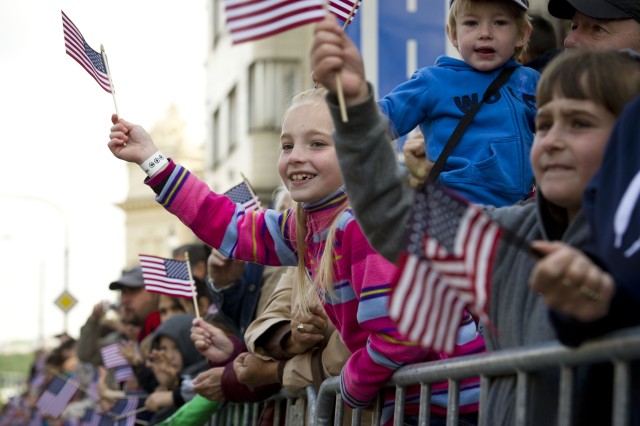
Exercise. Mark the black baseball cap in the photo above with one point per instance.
(598, 9)
(131, 278)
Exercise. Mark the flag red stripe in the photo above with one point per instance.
(169, 292)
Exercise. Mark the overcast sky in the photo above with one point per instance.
(59, 180)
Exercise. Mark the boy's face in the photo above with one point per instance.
(571, 136)
(486, 35)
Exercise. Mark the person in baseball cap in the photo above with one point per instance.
(138, 306)
(600, 24)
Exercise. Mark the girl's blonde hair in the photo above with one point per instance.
(523, 21)
(322, 282)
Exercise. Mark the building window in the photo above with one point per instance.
(217, 138)
(218, 19)
(271, 85)
(232, 121)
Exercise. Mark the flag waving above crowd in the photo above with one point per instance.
(250, 20)
(92, 61)
(166, 276)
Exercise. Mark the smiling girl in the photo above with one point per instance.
(321, 236)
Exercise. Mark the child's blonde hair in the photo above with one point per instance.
(523, 21)
(324, 276)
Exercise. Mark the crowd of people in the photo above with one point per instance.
(303, 291)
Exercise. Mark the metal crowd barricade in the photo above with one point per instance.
(298, 407)
(320, 409)
(619, 348)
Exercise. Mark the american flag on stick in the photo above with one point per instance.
(124, 411)
(243, 193)
(56, 396)
(113, 359)
(447, 268)
(92, 61)
(250, 20)
(166, 276)
(111, 356)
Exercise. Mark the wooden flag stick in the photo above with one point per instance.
(113, 89)
(353, 10)
(193, 287)
(253, 193)
(340, 93)
(129, 413)
(341, 103)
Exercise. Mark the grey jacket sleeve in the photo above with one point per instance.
(376, 184)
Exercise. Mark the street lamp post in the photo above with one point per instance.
(66, 240)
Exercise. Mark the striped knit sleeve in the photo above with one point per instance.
(259, 237)
(370, 367)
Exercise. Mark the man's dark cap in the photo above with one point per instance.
(598, 9)
(131, 278)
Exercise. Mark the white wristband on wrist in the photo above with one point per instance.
(153, 164)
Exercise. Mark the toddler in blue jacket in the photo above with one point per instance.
(490, 164)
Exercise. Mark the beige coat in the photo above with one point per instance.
(299, 371)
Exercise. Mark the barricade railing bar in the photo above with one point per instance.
(300, 409)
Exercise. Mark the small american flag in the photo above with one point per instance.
(111, 356)
(113, 359)
(446, 268)
(83, 54)
(166, 276)
(123, 413)
(123, 373)
(242, 193)
(90, 418)
(249, 20)
(56, 396)
(343, 9)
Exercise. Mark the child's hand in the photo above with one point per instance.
(165, 373)
(131, 353)
(307, 330)
(570, 282)
(253, 371)
(224, 271)
(210, 341)
(415, 157)
(333, 53)
(130, 142)
(158, 400)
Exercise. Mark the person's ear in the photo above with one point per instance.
(453, 37)
(523, 36)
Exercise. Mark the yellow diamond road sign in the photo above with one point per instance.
(66, 301)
